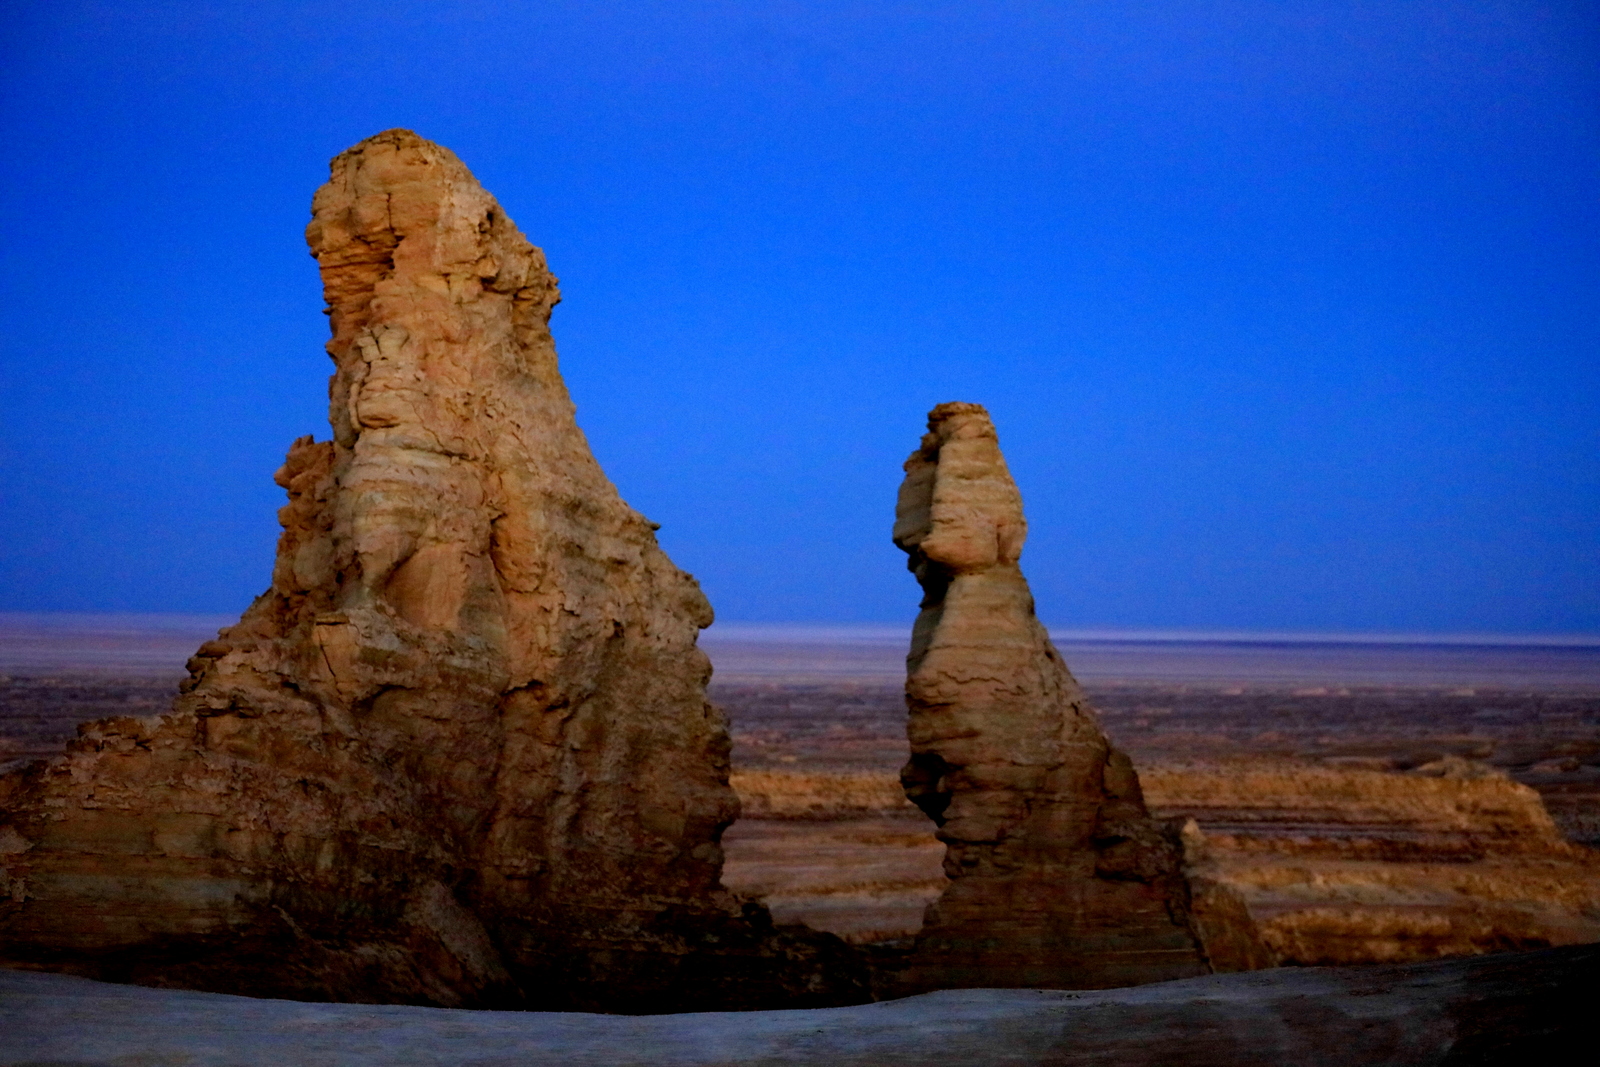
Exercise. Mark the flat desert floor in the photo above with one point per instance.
(1312, 731)
(1318, 734)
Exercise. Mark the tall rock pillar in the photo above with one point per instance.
(1059, 878)
(460, 751)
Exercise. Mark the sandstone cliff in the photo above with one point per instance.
(460, 751)
(1059, 878)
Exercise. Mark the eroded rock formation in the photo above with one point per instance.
(460, 751)
(1347, 865)
(1059, 878)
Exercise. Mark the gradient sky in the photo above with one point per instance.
(1288, 313)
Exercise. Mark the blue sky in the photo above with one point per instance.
(1288, 313)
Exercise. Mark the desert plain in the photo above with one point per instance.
(1371, 800)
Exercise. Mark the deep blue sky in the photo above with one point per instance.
(1288, 313)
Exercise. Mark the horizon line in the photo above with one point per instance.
(875, 632)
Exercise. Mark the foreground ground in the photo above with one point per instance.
(1526, 1008)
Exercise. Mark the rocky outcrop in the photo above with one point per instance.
(460, 751)
(1344, 865)
(1059, 878)
(1319, 864)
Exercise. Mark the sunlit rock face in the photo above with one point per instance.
(1059, 878)
(460, 751)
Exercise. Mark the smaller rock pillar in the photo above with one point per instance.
(1059, 878)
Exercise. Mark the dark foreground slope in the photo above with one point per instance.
(1481, 1010)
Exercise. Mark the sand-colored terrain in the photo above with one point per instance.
(1545, 736)
(1337, 865)
(1357, 823)
(1322, 804)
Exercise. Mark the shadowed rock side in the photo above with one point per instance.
(460, 752)
(1058, 877)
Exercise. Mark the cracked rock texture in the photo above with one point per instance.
(1058, 876)
(460, 752)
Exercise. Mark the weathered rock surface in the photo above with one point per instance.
(1059, 878)
(1335, 865)
(1511, 1009)
(1345, 865)
(1330, 812)
(460, 751)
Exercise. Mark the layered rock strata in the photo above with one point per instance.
(1334, 864)
(1058, 877)
(460, 752)
(1343, 865)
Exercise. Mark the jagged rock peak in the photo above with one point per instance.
(460, 751)
(1059, 878)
